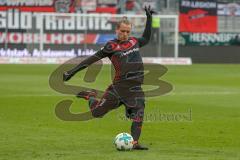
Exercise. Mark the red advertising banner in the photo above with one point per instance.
(198, 16)
(63, 6)
(47, 38)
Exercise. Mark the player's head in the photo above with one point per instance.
(123, 29)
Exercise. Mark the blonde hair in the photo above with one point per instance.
(123, 20)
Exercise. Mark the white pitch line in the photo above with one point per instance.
(206, 93)
(30, 95)
(169, 94)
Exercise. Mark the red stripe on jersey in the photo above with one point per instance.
(117, 68)
(128, 44)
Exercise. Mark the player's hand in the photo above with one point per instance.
(67, 76)
(149, 11)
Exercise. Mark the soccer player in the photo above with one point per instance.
(129, 74)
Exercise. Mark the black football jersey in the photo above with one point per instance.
(125, 57)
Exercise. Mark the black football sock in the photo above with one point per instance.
(136, 129)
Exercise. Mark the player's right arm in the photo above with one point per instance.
(148, 28)
(104, 52)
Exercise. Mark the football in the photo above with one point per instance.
(123, 142)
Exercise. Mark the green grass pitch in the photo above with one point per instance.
(206, 99)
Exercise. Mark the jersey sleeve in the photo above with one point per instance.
(146, 34)
(109, 47)
(102, 53)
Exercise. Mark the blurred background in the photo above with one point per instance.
(198, 119)
(184, 31)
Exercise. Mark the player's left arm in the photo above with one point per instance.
(148, 28)
(102, 53)
(85, 63)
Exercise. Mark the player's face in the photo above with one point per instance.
(123, 31)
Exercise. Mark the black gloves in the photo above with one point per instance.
(149, 11)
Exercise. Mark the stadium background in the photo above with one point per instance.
(198, 119)
(219, 46)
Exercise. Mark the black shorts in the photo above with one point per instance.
(128, 93)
